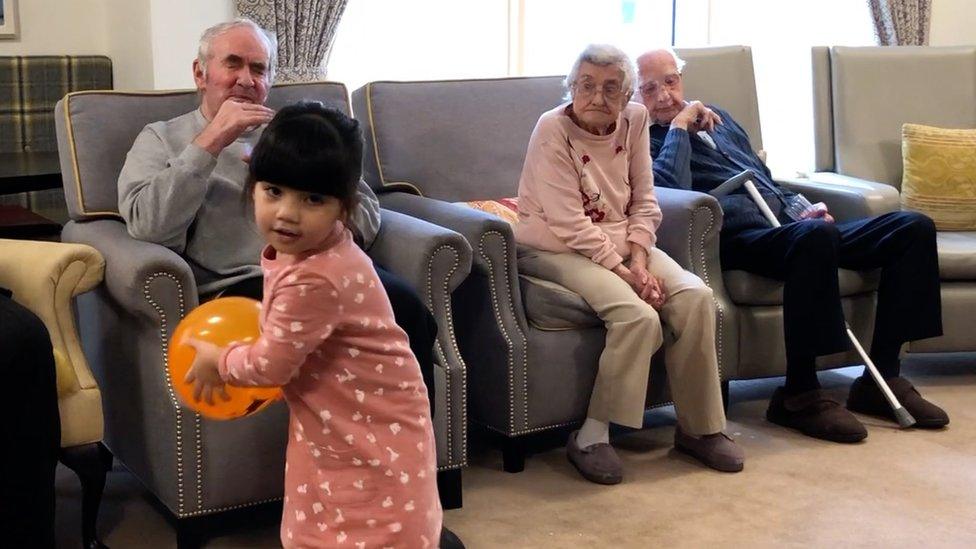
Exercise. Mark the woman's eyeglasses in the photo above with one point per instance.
(587, 89)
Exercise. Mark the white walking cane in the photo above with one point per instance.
(744, 179)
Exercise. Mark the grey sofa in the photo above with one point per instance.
(724, 76)
(195, 466)
(862, 96)
(531, 347)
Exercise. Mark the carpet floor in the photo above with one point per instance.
(899, 488)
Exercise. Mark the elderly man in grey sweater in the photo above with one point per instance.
(183, 180)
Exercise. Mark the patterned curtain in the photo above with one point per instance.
(901, 22)
(305, 29)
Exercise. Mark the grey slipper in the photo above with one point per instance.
(717, 451)
(597, 462)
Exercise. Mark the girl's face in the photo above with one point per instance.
(293, 221)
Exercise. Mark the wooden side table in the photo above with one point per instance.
(24, 172)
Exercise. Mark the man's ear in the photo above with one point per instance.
(198, 76)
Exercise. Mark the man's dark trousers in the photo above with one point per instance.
(805, 255)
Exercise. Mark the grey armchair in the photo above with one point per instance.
(862, 96)
(724, 76)
(195, 467)
(531, 346)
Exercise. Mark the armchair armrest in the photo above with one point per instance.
(491, 239)
(472, 224)
(44, 277)
(490, 320)
(687, 214)
(689, 234)
(435, 262)
(847, 198)
(420, 263)
(143, 278)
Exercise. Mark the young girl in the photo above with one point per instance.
(361, 465)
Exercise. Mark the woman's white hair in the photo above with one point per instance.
(603, 55)
(208, 36)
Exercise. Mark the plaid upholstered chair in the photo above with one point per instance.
(196, 467)
(29, 88)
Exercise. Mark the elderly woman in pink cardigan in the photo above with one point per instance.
(587, 221)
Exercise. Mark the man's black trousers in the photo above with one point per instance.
(805, 255)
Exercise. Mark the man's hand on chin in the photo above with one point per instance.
(232, 119)
(696, 117)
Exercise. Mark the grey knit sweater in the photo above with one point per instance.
(176, 194)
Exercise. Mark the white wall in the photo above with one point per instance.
(953, 23)
(781, 34)
(59, 27)
(419, 40)
(176, 29)
(129, 43)
(151, 42)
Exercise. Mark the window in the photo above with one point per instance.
(420, 40)
(551, 33)
(446, 39)
(781, 35)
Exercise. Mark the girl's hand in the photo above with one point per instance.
(204, 372)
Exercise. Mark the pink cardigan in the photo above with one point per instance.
(588, 193)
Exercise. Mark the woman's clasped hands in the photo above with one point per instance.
(649, 287)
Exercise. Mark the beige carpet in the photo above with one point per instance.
(897, 489)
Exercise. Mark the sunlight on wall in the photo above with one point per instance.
(781, 34)
(556, 31)
(420, 40)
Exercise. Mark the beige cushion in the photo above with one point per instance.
(746, 288)
(957, 255)
(939, 177)
(67, 380)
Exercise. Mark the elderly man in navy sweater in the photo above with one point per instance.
(698, 147)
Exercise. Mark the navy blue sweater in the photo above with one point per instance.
(685, 161)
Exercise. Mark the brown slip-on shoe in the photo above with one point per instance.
(717, 451)
(816, 415)
(866, 398)
(597, 462)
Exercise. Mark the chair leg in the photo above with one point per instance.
(88, 462)
(449, 487)
(513, 454)
(190, 533)
(725, 395)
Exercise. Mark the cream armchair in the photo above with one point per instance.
(861, 98)
(44, 277)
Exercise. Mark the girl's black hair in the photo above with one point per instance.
(310, 147)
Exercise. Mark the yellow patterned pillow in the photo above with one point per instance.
(939, 176)
(505, 208)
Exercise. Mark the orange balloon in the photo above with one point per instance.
(221, 321)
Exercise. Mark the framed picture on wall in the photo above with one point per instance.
(8, 18)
